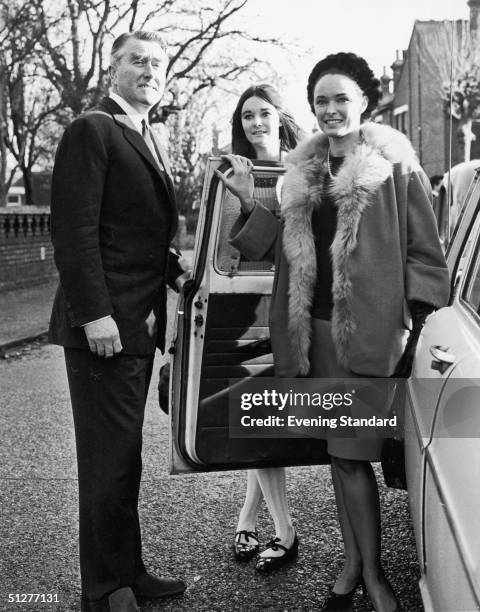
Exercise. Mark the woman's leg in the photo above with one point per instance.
(362, 506)
(273, 484)
(352, 569)
(247, 519)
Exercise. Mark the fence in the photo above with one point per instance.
(26, 253)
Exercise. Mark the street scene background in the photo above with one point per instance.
(53, 66)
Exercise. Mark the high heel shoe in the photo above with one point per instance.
(342, 602)
(244, 551)
(398, 607)
(268, 564)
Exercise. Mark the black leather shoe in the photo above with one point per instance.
(123, 600)
(268, 564)
(244, 551)
(341, 602)
(148, 586)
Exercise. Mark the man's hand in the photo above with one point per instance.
(103, 337)
(241, 182)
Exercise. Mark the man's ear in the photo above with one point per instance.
(112, 74)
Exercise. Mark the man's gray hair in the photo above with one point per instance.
(121, 41)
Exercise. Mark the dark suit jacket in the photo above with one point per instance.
(112, 220)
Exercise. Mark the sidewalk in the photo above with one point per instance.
(25, 312)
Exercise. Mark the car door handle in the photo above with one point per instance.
(442, 359)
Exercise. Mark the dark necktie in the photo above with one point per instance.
(147, 137)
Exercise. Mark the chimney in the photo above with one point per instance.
(397, 66)
(474, 17)
(474, 29)
(385, 82)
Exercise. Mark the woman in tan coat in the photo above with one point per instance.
(358, 262)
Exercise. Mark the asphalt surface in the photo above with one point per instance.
(188, 521)
(25, 312)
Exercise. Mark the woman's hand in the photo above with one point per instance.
(241, 182)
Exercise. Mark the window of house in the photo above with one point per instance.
(13, 200)
(400, 119)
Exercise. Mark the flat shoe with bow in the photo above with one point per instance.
(269, 564)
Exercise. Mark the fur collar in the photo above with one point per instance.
(361, 174)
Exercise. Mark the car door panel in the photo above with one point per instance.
(443, 436)
(447, 590)
(452, 482)
(223, 337)
(426, 384)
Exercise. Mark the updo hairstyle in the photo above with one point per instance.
(350, 65)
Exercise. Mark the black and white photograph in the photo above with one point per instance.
(239, 306)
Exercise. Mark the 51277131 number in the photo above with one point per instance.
(33, 597)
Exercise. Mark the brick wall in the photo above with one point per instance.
(26, 253)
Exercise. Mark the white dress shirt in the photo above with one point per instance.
(133, 114)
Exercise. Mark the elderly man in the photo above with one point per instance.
(113, 218)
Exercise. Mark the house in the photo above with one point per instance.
(41, 187)
(16, 195)
(416, 103)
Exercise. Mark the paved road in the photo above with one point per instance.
(25, 312)
(188, 521)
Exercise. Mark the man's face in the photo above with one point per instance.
(139, 76)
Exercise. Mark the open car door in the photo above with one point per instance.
(222, 334)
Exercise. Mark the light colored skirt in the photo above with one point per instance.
(324, 364)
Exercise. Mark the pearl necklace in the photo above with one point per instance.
(329, 168)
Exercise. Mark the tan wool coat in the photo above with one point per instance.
(386, 252)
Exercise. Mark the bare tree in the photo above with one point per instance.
(465, 105)
(73, 40)
(27, 100)
(460, 77)
(199, 38)
(188, 149)
(57, 57)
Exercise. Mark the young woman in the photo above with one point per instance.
(262, 129)
(357, 248)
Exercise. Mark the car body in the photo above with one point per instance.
(442, 429)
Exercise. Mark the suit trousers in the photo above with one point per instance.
(108, 401)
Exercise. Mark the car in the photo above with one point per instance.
(442, 429)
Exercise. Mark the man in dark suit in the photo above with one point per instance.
(113, 218)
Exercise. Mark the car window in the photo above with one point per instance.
(471, 293)
(228, 259)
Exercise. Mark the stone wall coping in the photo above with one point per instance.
(24, 210)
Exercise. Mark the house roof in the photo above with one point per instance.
(433, 40)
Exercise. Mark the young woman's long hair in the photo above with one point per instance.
(290, 133)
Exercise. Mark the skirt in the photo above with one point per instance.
(324, 364)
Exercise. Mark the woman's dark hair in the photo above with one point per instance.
(289, 130)
(352, 66)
